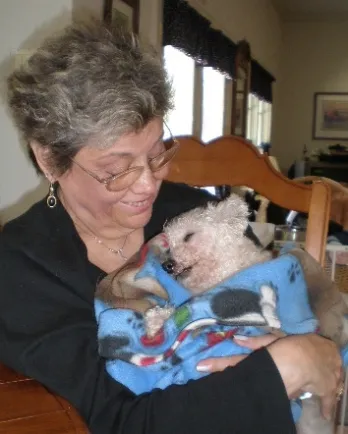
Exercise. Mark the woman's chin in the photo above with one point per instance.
(134, 218)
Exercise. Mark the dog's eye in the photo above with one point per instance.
(188, 236)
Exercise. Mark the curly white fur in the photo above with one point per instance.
(209, 244)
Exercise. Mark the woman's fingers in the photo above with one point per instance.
(328, 404)
(306, 363)
(255, 342)
(309, 363)
(218, 363)
(330, 400)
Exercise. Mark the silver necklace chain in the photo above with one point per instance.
(118, 251)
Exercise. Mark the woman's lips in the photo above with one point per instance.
(138, 206)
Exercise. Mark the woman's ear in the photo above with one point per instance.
(42, 157)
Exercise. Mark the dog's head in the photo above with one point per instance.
(209, 244)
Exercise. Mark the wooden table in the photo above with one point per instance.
(26, 407)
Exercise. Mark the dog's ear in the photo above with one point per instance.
(233, 211)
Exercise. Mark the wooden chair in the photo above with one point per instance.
(339, 198)
(233, 161)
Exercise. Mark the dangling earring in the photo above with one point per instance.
(51, 199)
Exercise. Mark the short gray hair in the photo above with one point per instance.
(89, 84)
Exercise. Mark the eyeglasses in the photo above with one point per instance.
(126, 178)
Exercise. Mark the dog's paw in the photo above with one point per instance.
(155, 317)
(294, 272)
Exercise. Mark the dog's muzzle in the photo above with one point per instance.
(171, 267)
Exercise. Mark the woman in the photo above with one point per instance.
(90, 104)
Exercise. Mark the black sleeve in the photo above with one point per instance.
(48, 332)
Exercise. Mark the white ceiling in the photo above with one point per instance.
(312, 10)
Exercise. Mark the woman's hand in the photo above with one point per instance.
(307, 363)
(220, 363)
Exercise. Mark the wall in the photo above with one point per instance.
(23, 25)
(314, 60)
(150, 30)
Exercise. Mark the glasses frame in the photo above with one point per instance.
(106, 181)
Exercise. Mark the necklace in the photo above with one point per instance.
(118, 252)
(115, 251)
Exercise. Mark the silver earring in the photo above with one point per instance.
(51, 199)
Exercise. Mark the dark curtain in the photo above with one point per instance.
(261, 81)
(187, 30)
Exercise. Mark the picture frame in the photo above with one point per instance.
(123, 12)
(330, 116)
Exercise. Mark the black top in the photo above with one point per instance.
(48, 331)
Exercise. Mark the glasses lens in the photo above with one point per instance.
(124, 179)
(161, 160)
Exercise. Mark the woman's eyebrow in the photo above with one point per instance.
(126, 154)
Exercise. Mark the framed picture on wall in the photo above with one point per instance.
(124, 13)
(330, 116)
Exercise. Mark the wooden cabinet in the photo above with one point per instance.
(336, 171)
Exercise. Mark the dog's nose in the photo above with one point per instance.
(169, 266)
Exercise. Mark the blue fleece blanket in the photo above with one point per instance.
(271, 294)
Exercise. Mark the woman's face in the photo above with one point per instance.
(130, 208)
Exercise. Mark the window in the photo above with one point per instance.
(213, 100)
(181, 70)
(259, 120)
(199, 96)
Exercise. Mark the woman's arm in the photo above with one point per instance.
(306, 363)
(48, 332)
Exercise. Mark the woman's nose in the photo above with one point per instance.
(146, 183)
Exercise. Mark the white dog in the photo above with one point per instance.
(206, 246)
